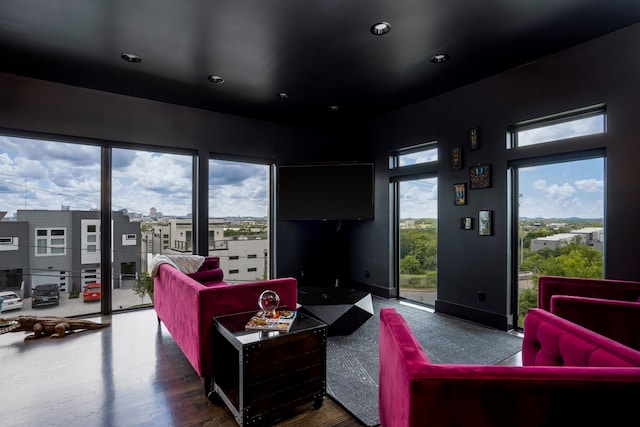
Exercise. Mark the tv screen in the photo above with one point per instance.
(325, 192)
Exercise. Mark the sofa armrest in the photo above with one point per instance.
(401, 356)
(614, 319)
(622, 290)
(176, 302)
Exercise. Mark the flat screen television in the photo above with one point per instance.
(341, 191)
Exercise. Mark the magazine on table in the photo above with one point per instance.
(280, 320)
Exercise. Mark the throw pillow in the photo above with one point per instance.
(207, 276)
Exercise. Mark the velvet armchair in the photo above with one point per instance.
(606, 306)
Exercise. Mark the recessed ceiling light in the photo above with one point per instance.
(130, 57)
(380, 28)
(215, 79)
(439, 58)
(283, 95)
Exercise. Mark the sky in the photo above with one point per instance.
(561, 190)
(48, 175)
(38, 174)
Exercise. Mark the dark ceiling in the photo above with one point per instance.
(320, 52)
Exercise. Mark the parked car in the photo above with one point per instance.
(48, 294)
(92, 292)
(12, 301)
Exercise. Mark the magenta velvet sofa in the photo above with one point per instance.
(572, 376)
(187, 304)
(606, 306)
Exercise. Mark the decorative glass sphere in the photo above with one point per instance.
(268, 302)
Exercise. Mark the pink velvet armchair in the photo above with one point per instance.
(571, 376)
(606, 306)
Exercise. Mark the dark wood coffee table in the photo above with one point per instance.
(262, 376)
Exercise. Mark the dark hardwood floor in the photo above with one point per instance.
(129, 374)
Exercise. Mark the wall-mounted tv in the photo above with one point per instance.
(340, 191)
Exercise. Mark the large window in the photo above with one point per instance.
(415, 189)
(239, 218)
(418, 239)
(152, 196)
(50, 192)
(559, 207)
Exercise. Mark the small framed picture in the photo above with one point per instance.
(456, 158)
(474, 138)
(466, 223)
(460, 194)
(485, 223)
(480, 176)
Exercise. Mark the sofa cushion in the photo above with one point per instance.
(207, 276)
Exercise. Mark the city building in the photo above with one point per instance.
(63, 247)
(590, 236)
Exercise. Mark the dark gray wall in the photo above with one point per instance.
(602, 71)
(51, 108)
(57, 110)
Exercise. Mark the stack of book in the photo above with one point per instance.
(280, 320)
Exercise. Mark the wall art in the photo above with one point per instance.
(485, 223)
(474, 138)
(460, 194)
(466, 223)
(480, 176)
(456, 158)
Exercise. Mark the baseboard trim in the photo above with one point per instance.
(384, 292)
(494, 320)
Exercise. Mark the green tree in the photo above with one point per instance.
(410, 265)
(573, 260)
(528, 299)
(146, 226)
(426, 251)
(144, 287)
(407, 242)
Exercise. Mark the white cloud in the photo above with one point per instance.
(590, 185)
(560, 193)
(539, 184)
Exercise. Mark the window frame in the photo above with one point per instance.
(51, 248)
(514, 130)
(540, 154)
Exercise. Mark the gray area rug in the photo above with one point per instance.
(352, 360)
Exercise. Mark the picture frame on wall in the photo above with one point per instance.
(480, 176)
(460, 194)
(456, 158)
(466, 223)
(474, 138)
(485, 222)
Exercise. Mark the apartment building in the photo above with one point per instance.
(63, 247)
